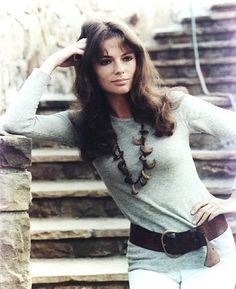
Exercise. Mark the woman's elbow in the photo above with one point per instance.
(12, 127)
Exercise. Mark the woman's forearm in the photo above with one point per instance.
(48, 66)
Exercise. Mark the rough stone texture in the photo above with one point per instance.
(195, 89)
(74, 207)
(74, 248)
(39, 28)
(55, 155)
(226, 7)
(15, 197)
(15, 152)
(69, 189)
(66, 170)
(190, 71)
(208, 24)
(68, 228)
(14, 251)
(216, 84)
(204, 141)
(210, 50)
(87, 285)
(214, 169)
(226, 34)
(15, 191)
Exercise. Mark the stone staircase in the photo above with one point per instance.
(79, 236)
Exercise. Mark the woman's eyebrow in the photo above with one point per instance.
(109, 56)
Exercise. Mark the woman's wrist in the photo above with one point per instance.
(48, 66)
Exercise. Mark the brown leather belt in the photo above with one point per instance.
(175, 244)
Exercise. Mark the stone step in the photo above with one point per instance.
(226, 84)
(208, 155)
(52, 155)
(60, 163)
(193, 81)
(189, 72)
(72, 198)
(54, 102)
(84, 228)
(87, 273)
(189, 46)
(68, 228)
(84, 237)
(68, 189)
(53, 163)
(224, 7)
(61, 189)
(217, 18)
(216, 21)
(184, 51)
(190, 62)
(215, 164)
(86, 198)
(202, 141)
(55, 155)
(203, 34)
(73, 238)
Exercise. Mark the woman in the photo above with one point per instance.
(137, 137)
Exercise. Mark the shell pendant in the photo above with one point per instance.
(133, 190)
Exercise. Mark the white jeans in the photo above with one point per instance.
(220, 276)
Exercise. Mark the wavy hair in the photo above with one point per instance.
(90, 114)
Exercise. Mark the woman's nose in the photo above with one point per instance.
(119, 68)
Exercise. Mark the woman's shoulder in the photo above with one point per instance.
(181, 99)
(176, 94)
(176, 98)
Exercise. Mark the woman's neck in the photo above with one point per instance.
(119, 106)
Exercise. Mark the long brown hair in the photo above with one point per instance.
(90, 115)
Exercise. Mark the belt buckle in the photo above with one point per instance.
(164, 245)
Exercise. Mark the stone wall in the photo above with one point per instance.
(32, 30)
(15, 197)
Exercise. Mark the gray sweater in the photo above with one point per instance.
(165, 202)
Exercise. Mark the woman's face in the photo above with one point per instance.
(115, 68)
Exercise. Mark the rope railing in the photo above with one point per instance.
(15, 198)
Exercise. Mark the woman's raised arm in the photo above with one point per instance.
(21, 117)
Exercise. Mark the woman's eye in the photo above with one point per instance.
(104, 61)
(128, 58)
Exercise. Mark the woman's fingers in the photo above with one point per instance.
(69, 55)
(202, 213)
(80, 46)
(198, 206)
(208, 210)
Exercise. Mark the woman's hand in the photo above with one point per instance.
(208, 210)
(64, 57)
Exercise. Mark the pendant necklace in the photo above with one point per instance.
(143, 177)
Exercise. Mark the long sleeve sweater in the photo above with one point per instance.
(175, 187)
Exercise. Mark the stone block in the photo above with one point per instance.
(15, 191)
(15, 152)
(216, 169)
(77, 248)
(63, 170)
(14, 251)
(74, 207)
(82, 285)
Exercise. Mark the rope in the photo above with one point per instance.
(198, 66)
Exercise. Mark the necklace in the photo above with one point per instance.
(143, 177)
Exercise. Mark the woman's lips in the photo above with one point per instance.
(120, 81)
